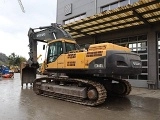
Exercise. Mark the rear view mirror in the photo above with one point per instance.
(86, 46)
(44, 47)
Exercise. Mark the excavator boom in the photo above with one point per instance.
(45, 34)
(41, 34)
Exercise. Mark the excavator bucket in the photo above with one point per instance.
(28, 74)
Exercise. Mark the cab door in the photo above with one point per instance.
(54, 52)
(61, 56)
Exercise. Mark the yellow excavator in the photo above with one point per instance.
(81, 76)
(43, 67)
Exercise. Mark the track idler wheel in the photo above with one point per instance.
(92, 94)
(121, 88)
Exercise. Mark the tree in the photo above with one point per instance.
(11, 59)
(3, 59)
(15, 60)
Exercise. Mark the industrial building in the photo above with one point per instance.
(134, 23)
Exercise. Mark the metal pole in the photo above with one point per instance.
(95, 1)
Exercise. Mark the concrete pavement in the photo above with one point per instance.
(23, 104)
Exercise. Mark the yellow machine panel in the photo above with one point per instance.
(52, 65)
(75, 60)
(61, 61)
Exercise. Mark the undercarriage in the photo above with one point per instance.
(81, 91)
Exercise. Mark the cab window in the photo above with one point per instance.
(71, 46)
(54, 51)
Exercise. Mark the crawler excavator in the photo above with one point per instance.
(89, 76)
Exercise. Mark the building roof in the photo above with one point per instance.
(143, 12)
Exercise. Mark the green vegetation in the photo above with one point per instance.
(13, 59)
(3, 59)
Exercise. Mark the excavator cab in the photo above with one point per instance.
(56, 48)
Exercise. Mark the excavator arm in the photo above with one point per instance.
(41, 34)
(45, 34)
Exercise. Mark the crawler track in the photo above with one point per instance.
(122, 89)
(102, 93)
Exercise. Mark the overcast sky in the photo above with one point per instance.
(14, 24)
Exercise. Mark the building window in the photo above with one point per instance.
(138, 44)
(105, 8)
(133, 1)
(158, 39)
(117, 4)
(73, 19)
(124, 2)
(113, 6)
(158, 35)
